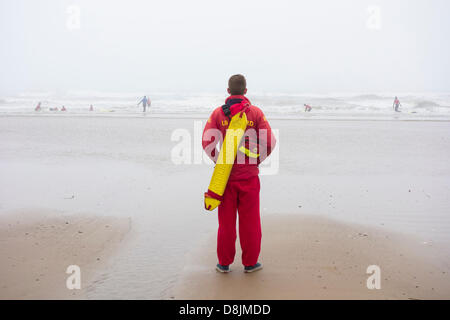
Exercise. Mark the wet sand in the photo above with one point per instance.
(308, 257)
(37, 247)
(387, 174)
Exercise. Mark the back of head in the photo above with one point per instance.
(237, 85)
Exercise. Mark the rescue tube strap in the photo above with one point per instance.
(248, 153)
(226, 110)
(213, 195)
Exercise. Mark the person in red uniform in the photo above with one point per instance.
(242, 191)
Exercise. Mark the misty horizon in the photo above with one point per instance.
(286, 47)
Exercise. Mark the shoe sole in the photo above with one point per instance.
(222, 271)
(253, 270)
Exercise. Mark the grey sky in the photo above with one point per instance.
(281, 46)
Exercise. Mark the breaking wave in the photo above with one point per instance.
(273, 104)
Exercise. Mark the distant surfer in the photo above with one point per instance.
(145, 102)
(396, 104)
(307, 108)
(242, 189)
(38, 107)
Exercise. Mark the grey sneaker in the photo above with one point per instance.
(256, 267)
(223, 269)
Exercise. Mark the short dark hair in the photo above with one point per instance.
(237, 84)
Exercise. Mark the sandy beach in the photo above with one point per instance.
(38, 247)
(308, 257)
(346, 195)
(111, 110)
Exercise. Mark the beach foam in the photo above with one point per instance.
(276, 105)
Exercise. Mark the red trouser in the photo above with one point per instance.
(243, 196)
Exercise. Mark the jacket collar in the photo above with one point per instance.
(236, 99)
(236, 104)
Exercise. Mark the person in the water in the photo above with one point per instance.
(145, 102)
(396, 104)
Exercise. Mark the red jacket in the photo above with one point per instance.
(265, 140)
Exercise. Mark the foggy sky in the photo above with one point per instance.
(183, 46)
